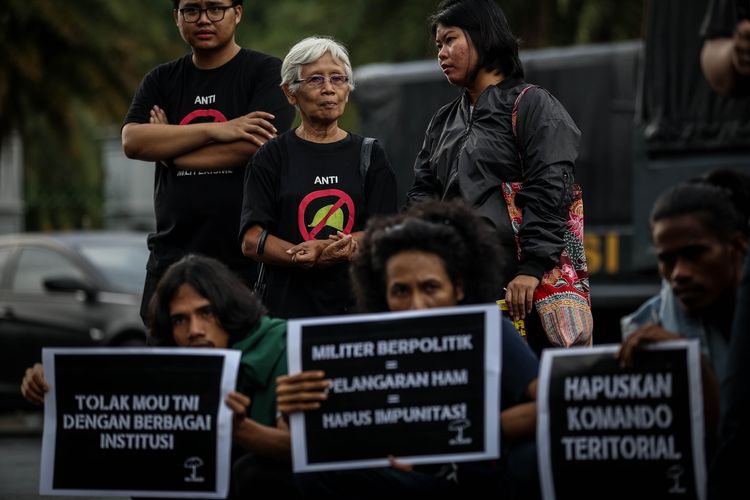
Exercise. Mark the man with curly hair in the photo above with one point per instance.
(435, 254)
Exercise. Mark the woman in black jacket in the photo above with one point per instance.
(489, 136)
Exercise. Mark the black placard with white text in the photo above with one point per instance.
(621, 433)
(422, 386)
(137, 422)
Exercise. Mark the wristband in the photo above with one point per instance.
(261, 242)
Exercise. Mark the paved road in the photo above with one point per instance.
(20, 450)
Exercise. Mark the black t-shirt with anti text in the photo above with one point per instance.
(199, 211)
(300, 190)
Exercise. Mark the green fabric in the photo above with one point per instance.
(263, 359)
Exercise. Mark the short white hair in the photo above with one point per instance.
(308, 51)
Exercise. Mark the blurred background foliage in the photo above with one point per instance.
(68, 69)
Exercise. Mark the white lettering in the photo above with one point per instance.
(619, 417)
(208, 99)
(184, 402)
(450, 377)
(346, 418)
(82, 421)
(136, 441)
(156, 422)
(380, 382)
(626, 386)
(436, 413)
(343, 351)
(425, 345)
(639, 447)
(330, 179)
(100, 402)
(150, 402)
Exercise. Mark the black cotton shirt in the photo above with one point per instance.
(300, 190)
(199, 211)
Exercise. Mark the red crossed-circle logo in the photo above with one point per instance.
(341, 199)
(217, 115)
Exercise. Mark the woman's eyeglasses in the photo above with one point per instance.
(320, 80)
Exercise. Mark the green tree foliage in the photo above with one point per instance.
(68, 68)
(398, 30)
(373, 30)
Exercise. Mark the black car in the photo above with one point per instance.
(67, 289)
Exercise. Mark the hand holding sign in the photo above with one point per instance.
(34, 385)
(400, 466)
(432, 375)
(171, 432)
(238, 403)
(301, 392)
(604, 422)
(645, 335)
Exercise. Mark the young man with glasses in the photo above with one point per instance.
(201, 118)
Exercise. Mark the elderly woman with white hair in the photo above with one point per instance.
(310, 191)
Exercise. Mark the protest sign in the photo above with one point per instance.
(420, 385)
(137, 422)
(621, 433)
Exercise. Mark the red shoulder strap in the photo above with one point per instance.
(514, 116)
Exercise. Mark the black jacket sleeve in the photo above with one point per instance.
(548, 139)
(425, 184)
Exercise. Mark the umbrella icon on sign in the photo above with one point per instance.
(458, 426)
(675, 472)
(193, 463)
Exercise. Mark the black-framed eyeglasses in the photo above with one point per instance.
(214, 13)
(320, 80)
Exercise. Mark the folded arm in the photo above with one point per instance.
(198, 145)
(217, 156)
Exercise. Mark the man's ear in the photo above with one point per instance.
(460, 295)
(237, 14)
(738, 244)
(289, 95)
(175, 13)
(738, 249)
(742, 242)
